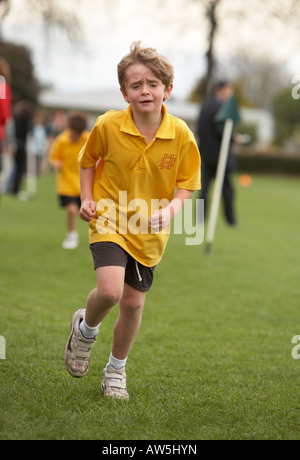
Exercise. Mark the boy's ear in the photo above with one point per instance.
(124, 95)
(168, 92)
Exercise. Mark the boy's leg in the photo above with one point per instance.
(125, 331)
(71, 241)
(128, 322)
(110, 281)
(72, 214)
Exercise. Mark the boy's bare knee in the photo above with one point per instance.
(109, 294)
(132, 301)
(131, 308)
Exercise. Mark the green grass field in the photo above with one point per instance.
(213, 357)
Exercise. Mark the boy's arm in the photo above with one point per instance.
(55, 155)
(56, 164)
(88, 205)
(162, 217)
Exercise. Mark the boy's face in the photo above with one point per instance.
(143, 90)
(74, 135)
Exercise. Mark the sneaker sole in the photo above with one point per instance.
(67, 348)
(112, 395)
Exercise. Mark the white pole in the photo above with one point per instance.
(219, 182)
(30, 174)
(31, 168)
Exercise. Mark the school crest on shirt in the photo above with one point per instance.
(167, 161)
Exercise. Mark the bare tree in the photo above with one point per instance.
(210, 13)
(4, 10)
(52, 13)
(273, 17)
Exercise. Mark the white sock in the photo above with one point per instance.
(87, 331)
(116, 363)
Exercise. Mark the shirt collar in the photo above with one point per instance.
(166, 129)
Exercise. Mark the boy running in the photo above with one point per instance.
(133, 159)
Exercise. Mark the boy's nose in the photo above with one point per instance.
(145, 89)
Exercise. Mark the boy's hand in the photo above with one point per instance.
(87, 210)
(57, 165)
(160, 219)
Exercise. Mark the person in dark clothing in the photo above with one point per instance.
(23, 120)
(210, 138)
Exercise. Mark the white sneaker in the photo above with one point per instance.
(78, 349)
(71, 241)
(114, 383)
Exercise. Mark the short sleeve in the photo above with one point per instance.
(93, 149)
(188, 174)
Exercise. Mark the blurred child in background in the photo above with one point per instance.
(64, 159)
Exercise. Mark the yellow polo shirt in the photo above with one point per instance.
(132, 176)
(66, 151)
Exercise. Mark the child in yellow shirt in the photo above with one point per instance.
(130, 167)
(64, 159)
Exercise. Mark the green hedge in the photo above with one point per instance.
(249, 160)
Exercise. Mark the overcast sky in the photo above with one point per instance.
(177, 30)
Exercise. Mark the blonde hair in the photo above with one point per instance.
(160, 65)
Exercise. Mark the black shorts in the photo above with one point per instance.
(64, 200)
(106, 253)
